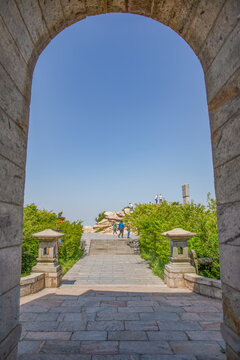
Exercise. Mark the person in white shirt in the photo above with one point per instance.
(131, 206)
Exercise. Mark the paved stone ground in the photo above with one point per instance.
(140, 320)
(112, 269)
(134, 323)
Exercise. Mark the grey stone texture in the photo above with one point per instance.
(36, 25)
(10, 264)
(112, 270)
(146, 338)
(228, 57)
(17, 28)
(11, 190)
(32, 284)
(9, 311)
(11, 219)
(211, 28)
(204, 286)
(13, 140)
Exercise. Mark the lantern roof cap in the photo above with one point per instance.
(178, 233)
(48, 234)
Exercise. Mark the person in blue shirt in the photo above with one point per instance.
(121, 227)
(128, 230)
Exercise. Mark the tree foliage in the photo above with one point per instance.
(150, 221)
(35, 220)
(100, 217)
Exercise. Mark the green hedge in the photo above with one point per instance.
(150, 221)
(35, 220)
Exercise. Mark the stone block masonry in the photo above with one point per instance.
(32, 284)
(204, 286)
(212, 29)
(134, 322)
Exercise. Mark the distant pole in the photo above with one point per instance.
(185, 194)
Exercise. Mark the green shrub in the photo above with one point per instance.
(100, 217)
(35, 220)
(70, 242)
(151, 220)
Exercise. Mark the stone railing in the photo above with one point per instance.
(204, 286)
(32, 284)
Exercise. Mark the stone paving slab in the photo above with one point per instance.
(196, 347)
(128, 317)
(72, 335)
(54, 357)
(112, 270)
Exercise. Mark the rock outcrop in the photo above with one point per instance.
(88, 229)
(105, 226)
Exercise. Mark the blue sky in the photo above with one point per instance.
(118, 114)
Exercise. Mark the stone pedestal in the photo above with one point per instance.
(47, 261)
(53, 273)
(174, 274)
(179, 261)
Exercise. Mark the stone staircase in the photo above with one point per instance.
(110, 247)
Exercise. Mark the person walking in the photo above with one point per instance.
(160, 198)
(128, 230)
(156, 199)
(121, 227)
(131, 206)
(115, 228)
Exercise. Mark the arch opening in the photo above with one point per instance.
(139, 110)
(212, 30)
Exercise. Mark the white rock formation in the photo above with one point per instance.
(88, 229)
(105, 226)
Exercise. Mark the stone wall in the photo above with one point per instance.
(212, 29)
(32, 284)
(204, 286)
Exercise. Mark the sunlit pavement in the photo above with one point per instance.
(113, 307)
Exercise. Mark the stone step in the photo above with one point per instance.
(110, 247)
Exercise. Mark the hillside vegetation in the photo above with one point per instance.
(150, 221)
(35, 220)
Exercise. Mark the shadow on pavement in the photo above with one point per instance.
(121, 325)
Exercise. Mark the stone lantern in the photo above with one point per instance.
(47, 261)
(179, 260)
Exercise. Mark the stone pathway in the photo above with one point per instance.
(106, 239)
(111, 307)
(112, 269)
(110, 247)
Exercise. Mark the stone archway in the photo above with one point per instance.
(212, 29)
